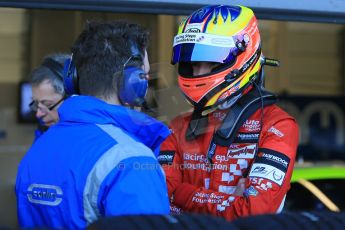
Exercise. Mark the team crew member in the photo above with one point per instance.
(234, 154)
(100, 158)
(47, 91)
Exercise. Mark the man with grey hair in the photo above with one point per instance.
(48, 90)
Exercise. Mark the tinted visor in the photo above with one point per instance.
(191, 47)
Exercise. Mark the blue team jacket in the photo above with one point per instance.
(99, 160)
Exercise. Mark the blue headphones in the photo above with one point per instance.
(70, 78)
(132, 86)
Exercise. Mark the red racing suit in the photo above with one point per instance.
(266, 159)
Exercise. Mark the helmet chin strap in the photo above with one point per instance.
(227, 104)
(223, 106)
(199, 121)
(207, 111)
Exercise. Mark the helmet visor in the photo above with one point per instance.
(189, 47)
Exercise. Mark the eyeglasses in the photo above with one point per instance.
(34, 105)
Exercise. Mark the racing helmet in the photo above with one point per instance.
(227, 36)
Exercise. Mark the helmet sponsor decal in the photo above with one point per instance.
(229, 92)
(194, 28)
(249, 63)
(204, 39)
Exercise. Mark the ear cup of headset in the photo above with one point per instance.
(133, 86)
(70, 79)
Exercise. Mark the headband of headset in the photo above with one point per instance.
(54, 66)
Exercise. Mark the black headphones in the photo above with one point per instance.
(54, 66)
(132, 86)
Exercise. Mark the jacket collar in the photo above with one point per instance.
(88, 109)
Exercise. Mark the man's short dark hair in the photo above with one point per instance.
(101, 51)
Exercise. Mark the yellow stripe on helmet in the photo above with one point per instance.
(214, 99)
(224, 28)
(182, 24)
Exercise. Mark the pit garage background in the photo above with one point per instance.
(307, 36)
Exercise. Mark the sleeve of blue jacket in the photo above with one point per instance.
(132, 183)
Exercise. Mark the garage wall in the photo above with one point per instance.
(311, 57)
(14, 139)
(316, 56)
